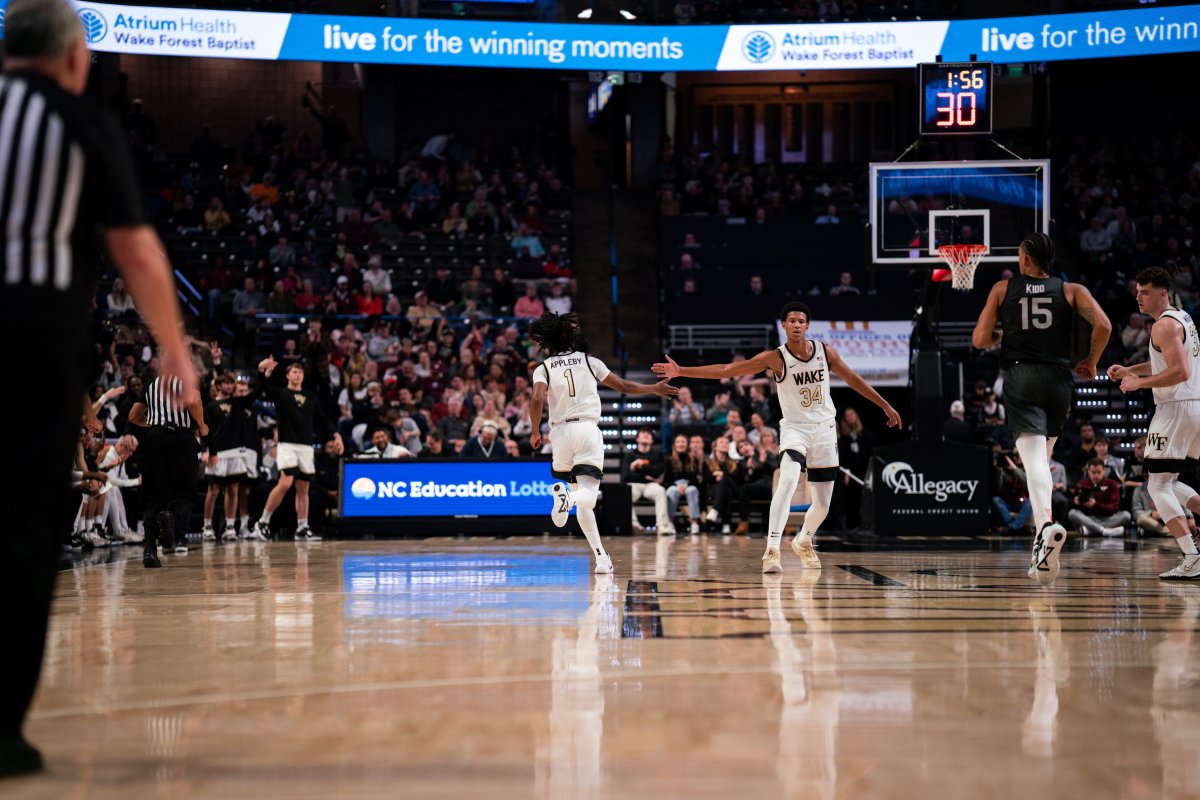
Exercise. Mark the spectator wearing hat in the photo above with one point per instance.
(486, 445)
(956, 428)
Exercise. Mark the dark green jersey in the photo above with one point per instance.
(1037, 322)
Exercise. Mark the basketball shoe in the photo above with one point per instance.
(803, 546)
(1043, 565)
(1188, 569)
(604, 565)
(563, 503)
(770, 561)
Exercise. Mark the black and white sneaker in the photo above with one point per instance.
(1047, 544)
(77, 541)
(563, 502)
(261, 532)
(305, 534)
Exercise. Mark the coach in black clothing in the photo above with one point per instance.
(64, 174)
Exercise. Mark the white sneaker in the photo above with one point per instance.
(1113, 531)
(666, 530)
(563, 503)
(803, 547)
(604, 565)
(711, 516)
(770, 561)
(181, 550)
(133, 536)
(1188, 569)
(726, 530)
(260, 532)
(695, 529)
(229, 535)
(1043, 565)
(208, 534)
(94, 539)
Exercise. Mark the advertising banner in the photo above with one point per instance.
(944, 490)
(449, 488)
(877, 351)
(650, 48)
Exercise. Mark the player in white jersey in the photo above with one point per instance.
(569, 378)
(808, 433)
(1173, 372)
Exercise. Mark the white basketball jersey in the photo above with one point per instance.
(804, 388)
(1189, 389)
(572, 381)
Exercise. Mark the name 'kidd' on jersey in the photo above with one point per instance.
(804, 387)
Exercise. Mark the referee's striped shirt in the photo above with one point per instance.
(164, 406)
(64, 171)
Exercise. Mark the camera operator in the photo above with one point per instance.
(1096, 503)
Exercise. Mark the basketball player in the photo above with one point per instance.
(298, 409)
(232, 454)
(808, 432)
(1035, 350)
(1173, 372)
(569, 377)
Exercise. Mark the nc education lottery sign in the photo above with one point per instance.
(667, 48)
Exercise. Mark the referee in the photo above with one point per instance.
(65, 177)
(168, 464)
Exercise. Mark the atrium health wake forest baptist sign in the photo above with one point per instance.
(166, 31)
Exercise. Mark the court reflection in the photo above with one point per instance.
(1173, 707)
(568, 761)
(1039, 730)
(812, 692)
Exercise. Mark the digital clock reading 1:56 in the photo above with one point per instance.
(956, 98)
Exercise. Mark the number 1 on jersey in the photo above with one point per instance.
(570, 382)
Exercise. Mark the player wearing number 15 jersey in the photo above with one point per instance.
(1037, 311)
(808, 433)
(569, 379)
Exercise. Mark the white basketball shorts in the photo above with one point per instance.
(576, 443)
(295, 459)
(235, 463)
(1174, 435)
(817, 441)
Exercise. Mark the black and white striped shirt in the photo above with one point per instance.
(164, 405)
(64, 171)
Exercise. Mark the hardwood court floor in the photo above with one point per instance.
(477, 668)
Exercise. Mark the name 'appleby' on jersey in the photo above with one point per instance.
(572, 381)
(804, 388)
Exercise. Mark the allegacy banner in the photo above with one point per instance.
(669, 48)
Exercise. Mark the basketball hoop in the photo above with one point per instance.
(962, 260)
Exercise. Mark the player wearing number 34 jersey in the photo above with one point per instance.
(1037, 311)
(808, 433)
(569, 379)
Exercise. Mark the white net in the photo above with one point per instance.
(962, 259)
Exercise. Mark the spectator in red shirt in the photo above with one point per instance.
(529, 305)
(1095, 507)
(369, 303)
(307, 299)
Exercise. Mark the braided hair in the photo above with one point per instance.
(557, 333)
(1040, 249)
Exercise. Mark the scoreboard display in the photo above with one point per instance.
(955, 98)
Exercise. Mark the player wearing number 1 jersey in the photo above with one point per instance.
(1037, 313)
(808, 433)
(569, 378)
(1173, 372)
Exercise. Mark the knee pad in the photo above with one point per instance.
(1184, 493)
(1162, 489)
(586, 492)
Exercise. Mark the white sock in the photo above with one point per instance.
(245, 522)
(1032, 447)
(89, 523)
(301, 524)
(773, 540)
(266, 517)
(585, 491)
(1188, 545)
(208, 522)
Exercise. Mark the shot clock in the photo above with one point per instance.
(956, 98)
